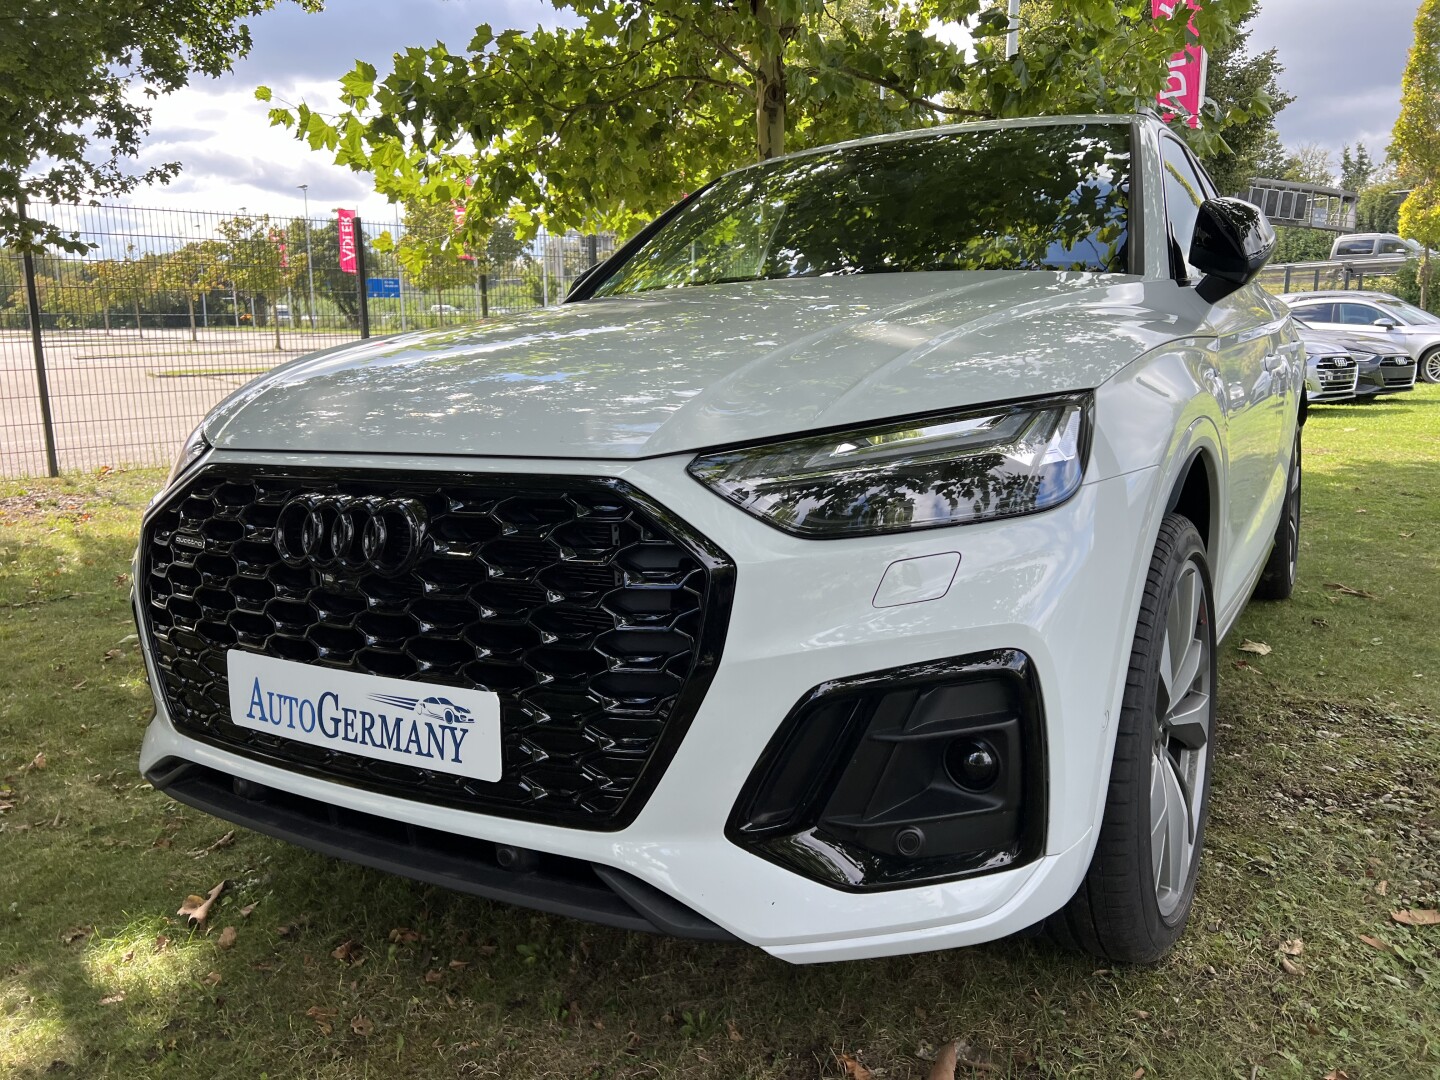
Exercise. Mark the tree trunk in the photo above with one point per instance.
(106, 312)
(275, 315)
(769, 60)
(138, 331)
(1425, 280)
(190, 303)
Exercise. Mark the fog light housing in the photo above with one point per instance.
(916, 774)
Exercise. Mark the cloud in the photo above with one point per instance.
(1343, 63)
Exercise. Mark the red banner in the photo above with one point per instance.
(1184, 89)
(345, 226)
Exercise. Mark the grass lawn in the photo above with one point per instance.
(1326, 819)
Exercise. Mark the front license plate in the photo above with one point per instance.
(440, 728)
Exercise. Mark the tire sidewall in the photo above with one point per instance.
(1138, 722)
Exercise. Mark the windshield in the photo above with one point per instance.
(1408, 313)
(1022, 198)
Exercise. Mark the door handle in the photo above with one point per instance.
(1273, 361)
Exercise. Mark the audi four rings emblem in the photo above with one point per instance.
(346, 532)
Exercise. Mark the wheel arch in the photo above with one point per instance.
(1195, 494)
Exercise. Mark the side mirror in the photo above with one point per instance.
(1232, 243)
(1386, 324)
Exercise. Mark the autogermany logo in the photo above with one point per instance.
(344, 532)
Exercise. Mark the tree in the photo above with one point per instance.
(1310, 163)
(250, 261)
(1357, 169)
(195, 269)
(74, 79)
(124, 280)
(605, 123)
(1415, 140)
(1235, 81)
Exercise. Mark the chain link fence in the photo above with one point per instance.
(125, 348)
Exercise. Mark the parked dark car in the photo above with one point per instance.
(1327, 376)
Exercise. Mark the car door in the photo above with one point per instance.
(1363, 321)
(1255, 362)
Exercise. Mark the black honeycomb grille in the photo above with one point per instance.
(595, 615)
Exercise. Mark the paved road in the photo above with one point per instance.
(128, 399)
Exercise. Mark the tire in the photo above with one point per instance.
(1430, 367)
(1136, 896)
(1277, 580)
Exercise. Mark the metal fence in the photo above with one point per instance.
(169, 311)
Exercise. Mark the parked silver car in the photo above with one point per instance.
(1385, 323)
(1331, 372)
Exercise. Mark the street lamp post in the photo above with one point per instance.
(309, 262)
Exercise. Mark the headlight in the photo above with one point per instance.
(976, 465)
(193, 447)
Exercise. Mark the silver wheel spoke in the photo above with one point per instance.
(1189, 670)
(1188, 723)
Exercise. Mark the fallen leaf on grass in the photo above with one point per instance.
(1382, 887)
(36, 763)
(347, 951)
(403, 935)
(1294, 947)
(213, 979)
(162, 842)
(852, 1068)
(161, 941)
(1319, 622)
(459, 965)
(1138, 1074)
(362, 1026)
(197, 908)
(1377, 943)
(1337, 1074)
(1292, 967)
(4, 806)
(1259, 648)
(434, 975)
(226, 940)
(111, 654)
(112, 999)
(733, 1031)
(1417, 917)
(322, 1018)
(246, 911)
(1346, 590)
(76, 933)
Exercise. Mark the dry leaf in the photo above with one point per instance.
(852, 1068)
(213, 979)
(1259, 648)
(1346, 590)
(76, 933)
(197, 908)
(322, 1018)
(459, 965)
(362, 1026)
(1382, 887)
(111, 654)
(36, 763)
(733, 1031)
(1138, 1074)
(347, 951)
(434, 975)
(403, 935)
(1377, 943)
(247, 910)
(1417, 917)
(1291, 967)
(1293, 947)
(944, 1067)
(162, 842)
(1337, 1074)
(111, 999)
(1141, 1014)
(226, 940)
(161, 941)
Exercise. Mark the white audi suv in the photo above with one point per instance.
(839, 569)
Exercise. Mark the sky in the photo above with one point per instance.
(1343, 61)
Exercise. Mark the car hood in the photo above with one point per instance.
(683, 369)
(1329, 340)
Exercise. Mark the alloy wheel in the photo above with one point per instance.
(1431, 371)
(1182, 738)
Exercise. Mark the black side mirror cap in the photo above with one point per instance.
(1233, 241)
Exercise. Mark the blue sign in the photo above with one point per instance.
(382, 288)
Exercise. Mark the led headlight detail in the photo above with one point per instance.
(976, 465)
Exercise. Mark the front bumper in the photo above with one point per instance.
(1058, 586)
(1386, 375)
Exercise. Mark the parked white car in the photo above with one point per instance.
(840, 569)
(1387, 323)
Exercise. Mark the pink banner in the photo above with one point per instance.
(345, 226)
(1184, 89)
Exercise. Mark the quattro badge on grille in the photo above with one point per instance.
(343, 532)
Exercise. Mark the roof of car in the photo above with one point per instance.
(1335, 294)
(973, 125)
